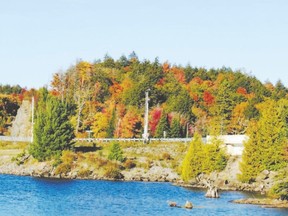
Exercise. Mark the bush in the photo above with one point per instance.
(166, 156)
(68, 157)
(101, 162)
(116, 153)
(63, 168)
(129, 164)
(84, 173)
(20, 158)
(113, 172)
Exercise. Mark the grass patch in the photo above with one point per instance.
(13, 145)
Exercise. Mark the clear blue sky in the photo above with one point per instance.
(39, 39)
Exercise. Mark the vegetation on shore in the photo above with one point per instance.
(203, 158)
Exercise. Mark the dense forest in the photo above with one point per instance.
(108, 98)
(109, 95)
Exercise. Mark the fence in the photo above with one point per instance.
(28, 139)
(133, 139)
(15, 139)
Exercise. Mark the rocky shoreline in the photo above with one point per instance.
(145, 165)
(154, 174)
(264, 202)
(46, 170)
(225, 180)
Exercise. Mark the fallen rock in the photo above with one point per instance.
(188, 205)
(172, 204)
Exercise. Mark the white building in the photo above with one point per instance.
(234, 143)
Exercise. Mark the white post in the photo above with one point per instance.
(145, 135)
(32, 113)
(89, 135)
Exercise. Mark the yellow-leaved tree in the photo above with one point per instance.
(100, 125)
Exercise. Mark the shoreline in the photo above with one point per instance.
(144, 166)
(263, 202)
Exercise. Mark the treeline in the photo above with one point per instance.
(109, 97)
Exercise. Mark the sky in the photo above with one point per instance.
(39, 38)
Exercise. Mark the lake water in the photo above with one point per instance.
(34, 196)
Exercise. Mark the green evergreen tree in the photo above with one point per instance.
(116, 153)
(176, 130)
(162, 126)
(215, 158)
(267, 140)
(53, 132)
(202, 158)
(111, 125)
(252, 163)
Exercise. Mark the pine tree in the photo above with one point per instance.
(192, 163)
(111, 125)
(176, 130)
(116, 153)
(215, 158)
(53, 132)
(267, 140)
(162, 126)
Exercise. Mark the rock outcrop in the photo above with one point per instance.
(21, 126)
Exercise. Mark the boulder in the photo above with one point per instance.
(172, 204)
(188, 205)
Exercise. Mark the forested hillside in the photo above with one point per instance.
(108, 97)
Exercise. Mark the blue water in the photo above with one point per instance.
(34, 196)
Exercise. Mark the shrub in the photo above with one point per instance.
(68, 157)
(84, 173)
(166, 156)
(116, 153)
(129, 164)
(101, 162)
(112, 172)
(63, 168)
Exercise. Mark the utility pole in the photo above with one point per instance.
(145, 135)
(32, 113)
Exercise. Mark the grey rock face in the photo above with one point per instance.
(21, 126)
